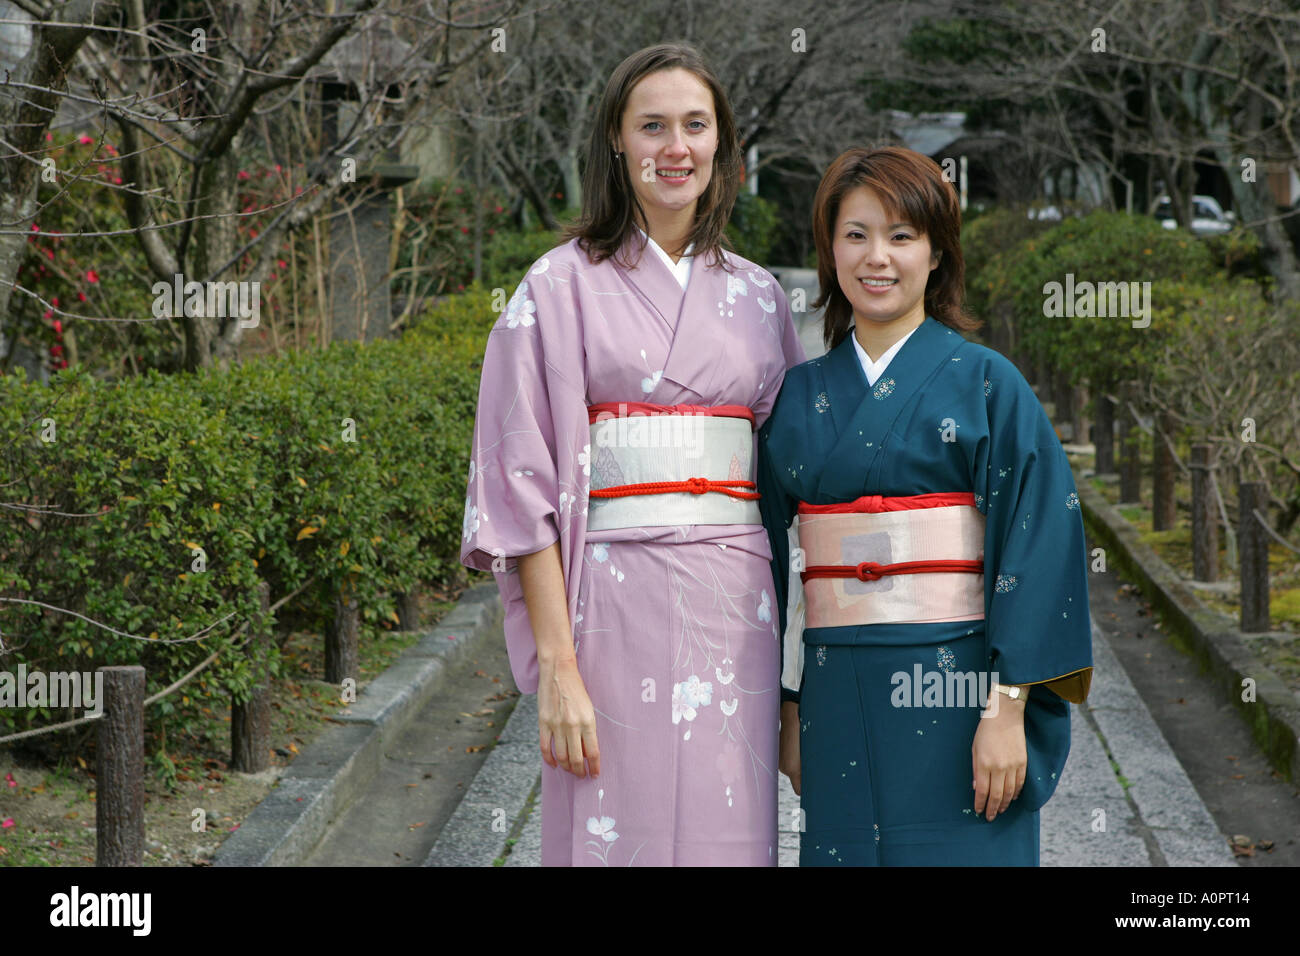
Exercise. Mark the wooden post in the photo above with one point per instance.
(1205, 526)
(342, 637)
(1078, 418)
(1253, 550)
(1163, 512)
(1130, 447)
(408, 610)
(1103, 434)
(250, 722)
(119, 769)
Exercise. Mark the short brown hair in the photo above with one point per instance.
(608, 199)
(911, 186)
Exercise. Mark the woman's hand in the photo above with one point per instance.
(788, 759)
(998, 757)
(566, 718)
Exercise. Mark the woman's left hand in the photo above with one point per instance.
(998, 757)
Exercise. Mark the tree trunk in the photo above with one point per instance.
(1078, 415)
(572, 181)
(215, 240)
(342, 638)
(25, 116)
(408, 610)
(250, 722)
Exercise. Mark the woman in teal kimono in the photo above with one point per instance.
(941, 564)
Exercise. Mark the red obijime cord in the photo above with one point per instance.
(871, 571)
(697, 486)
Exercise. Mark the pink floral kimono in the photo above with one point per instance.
(674, 625)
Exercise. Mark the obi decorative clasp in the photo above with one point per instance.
(668, 465)
(893, 560)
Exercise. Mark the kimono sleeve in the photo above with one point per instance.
(512, 499)
(526, 463)
(778, 508)
(1035, 556)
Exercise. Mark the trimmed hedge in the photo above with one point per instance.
(342, 467)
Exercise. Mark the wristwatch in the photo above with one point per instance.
(1014, 691)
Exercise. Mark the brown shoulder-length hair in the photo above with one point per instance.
(609, 203)
(912, 189)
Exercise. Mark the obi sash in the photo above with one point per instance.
(881, 560)
(669, 465)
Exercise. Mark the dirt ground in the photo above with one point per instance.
(47, 814)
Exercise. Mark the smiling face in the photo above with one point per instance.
(882, 264)
(668, 137)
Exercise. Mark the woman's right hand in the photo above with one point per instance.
(566, 718)
(788, 758)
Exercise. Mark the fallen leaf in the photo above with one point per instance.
(475, 748)
(485, 712)
(1238, 776)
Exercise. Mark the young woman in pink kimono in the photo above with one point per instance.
(611, 491)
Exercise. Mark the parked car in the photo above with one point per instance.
(1045, 213)
(1208, 217)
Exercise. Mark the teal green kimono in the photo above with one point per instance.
(886, 781)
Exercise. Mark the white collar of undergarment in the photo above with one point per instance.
(681, 269)
(877, 368)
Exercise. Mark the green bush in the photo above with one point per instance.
(1100, 247)
(344, 467)
(508, 255)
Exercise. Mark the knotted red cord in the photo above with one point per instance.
(697, 486)
(871, 571)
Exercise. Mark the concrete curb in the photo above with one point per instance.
(1164, 810)
(494, 808)
(325, 779)
(1220, 647)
